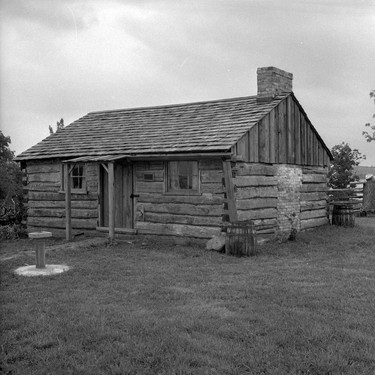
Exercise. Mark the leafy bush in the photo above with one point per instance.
(12, 209)
(13, 231)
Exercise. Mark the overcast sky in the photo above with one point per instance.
(65, 58)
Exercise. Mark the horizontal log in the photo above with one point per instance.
(92, 169)
(149, 165)
(183, 219)
(250, 204)
(210, 164)
(149, 187)
(267, 213)
(206, 199)
(313, 223)
(177, 230)
(61, 204)
(265, 222)
(211, 176)
(52, 222)
(212, 188)
(43, 168)
(313, 214)
(256, 192)
(182, 209)
(44, 177)
(92, 179)
(311, 188)
(49, 196)
(92, 187)
(158, 175)
(247, 169)
(58, 232)
(314, 178)
(44, 186)
(242, 181)
(320, 170)
(117, 230)
(259, 232)
(313, 205)
(306, 197)
(53, 212)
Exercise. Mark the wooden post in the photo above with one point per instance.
(111, 202)
(40, 253)
(229, 189)
(68, 203)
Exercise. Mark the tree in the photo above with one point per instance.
(370, 137)
(5, 153)
(59, 126)
(11, 188)
(344, 159)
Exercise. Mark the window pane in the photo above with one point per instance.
(182, 175)
(77, 176)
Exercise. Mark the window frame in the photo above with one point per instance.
(83, 176)
(172, 191)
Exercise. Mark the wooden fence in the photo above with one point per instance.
(353, 194)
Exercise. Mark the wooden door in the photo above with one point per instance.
(123, 200)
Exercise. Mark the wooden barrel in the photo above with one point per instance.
(343, 215)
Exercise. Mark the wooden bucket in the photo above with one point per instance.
(343, 215)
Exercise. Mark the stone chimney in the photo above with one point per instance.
(272, 82)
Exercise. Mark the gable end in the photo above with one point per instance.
(285, 135)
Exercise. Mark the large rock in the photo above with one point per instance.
(216, 243)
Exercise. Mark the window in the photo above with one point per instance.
(183, 176)
(77, 178)
(148, 177)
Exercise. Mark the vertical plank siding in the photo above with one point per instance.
(297, 134)
(283, 136)
(290, 130)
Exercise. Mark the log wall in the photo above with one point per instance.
(314, 197)
(270, 195)
(157, 212)
(46, 200)
(256, 196)
(283, 136)
(280, 197)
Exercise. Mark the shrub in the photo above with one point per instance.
(12, 232)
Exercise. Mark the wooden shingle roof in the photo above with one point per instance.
(212, 126)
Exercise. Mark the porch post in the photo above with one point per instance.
(229, 190)
(68, 203)
(111, 202)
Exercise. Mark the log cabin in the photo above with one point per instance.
(184, 169)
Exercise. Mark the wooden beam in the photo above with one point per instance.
(104, 166)
(186, 156)
(68, 203)
(111, 200)
(229, 189)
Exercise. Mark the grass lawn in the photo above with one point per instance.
(303, 307)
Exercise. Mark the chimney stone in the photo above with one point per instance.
(273, 82)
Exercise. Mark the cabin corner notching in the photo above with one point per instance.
(183, 170)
